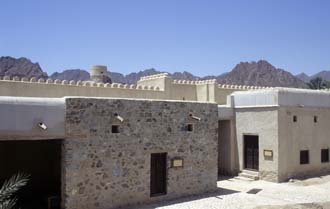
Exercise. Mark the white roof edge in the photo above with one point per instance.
(31, 100)
(140, 99)
(282, 97)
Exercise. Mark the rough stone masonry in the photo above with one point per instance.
(103, 170)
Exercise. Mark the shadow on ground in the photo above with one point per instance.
(311, 180)
(219, 192)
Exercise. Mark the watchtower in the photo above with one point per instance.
(100, 74)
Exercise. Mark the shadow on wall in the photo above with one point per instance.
(235, 149)
(228, 164)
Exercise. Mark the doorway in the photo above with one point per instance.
(41, 160)
(158, 174)
(251, 152)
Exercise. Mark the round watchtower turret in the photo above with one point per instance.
(99, 74)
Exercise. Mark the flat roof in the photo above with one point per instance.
(282, 97)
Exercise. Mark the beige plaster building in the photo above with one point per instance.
(280, 133)
(101, 145)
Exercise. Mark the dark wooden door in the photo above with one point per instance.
(158, 174)
(251, 152)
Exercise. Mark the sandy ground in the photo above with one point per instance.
(232, 193)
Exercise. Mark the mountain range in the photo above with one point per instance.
(21, 67)
(325, 75)
(260, 73)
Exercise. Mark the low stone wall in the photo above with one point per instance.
(105, 170)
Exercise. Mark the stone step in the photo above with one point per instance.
(253, 175)
(242, 178)
(251, 172)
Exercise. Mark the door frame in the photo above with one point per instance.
(244, 151)
(166, 175)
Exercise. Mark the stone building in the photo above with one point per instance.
(101, 145)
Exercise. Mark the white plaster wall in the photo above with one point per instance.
(303, 135)
(225, 112)
(19, 118)
(282, 97)
(261, 122)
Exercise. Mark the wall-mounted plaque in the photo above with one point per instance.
(268, 153)
(177, 163)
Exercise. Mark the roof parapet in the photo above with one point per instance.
(243, 87)
(155, 76)
(212, 81)
(221, 86)
(34, 80)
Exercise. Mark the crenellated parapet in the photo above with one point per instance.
(155, 76)
(241, 87)
(66, 83)
(159, 86)
(220, 86)
(198, 82)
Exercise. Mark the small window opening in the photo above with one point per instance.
(190, 127)
(115, 129)
(315, 119)
(294, 118)
(325, 155)
(304, 157)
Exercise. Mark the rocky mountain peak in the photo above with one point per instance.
(71, 74)
(260, 73)
(304, 77)
(21, 67)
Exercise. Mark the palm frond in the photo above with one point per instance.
(12, 185)
(8, 204)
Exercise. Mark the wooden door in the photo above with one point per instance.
(251, 152)
(158, 174)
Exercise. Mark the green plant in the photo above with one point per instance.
(9, 188)
(318, 83)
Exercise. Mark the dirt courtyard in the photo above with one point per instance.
(239, 193)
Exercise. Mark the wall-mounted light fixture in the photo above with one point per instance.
(194, 117)
(42, 125)
(121, 119)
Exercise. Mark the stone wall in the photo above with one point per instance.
(105, 170)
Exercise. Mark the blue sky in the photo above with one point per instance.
(203, 37)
